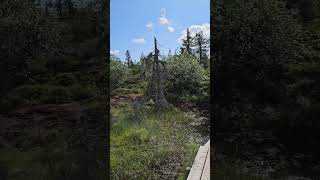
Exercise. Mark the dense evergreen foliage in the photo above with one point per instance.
(54, 88)
(265, 80)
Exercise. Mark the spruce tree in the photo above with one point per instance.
(169, 53)
(186, 43)
(142, 57)
(200, 43)
(128, 58)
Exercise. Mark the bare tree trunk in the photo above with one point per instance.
(156, 86)
(200, 52)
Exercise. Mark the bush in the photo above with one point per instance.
(26, 34)
(185, 76)
(87, 49)
(35, 95)
(260, 39)
(82, 26)
(80, 92)
(62, 64)
(118, 73)
(65, 79)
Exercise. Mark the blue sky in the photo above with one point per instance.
(134, 23)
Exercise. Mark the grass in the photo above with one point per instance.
(147, 145)
(49, 161)
(55, 153)
(130, 87)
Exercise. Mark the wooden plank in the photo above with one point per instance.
(206, 170)
(197, 166)
(199, 162)
(207, 145)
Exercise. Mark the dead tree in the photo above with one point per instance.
(156, 92)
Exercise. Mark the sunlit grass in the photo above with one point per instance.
(150, 145)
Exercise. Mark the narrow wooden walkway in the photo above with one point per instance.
(200, 169)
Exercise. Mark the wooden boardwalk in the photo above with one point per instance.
(200, 169)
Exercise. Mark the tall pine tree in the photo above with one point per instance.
(186, 43)
(128, 58)
(201, 44)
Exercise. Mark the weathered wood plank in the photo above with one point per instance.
(197, 166)
(207, 145)
(199, 162)
(206, 170)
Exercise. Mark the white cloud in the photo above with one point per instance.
(164, 20)
(205, 28)
(149, 25)
(163, 17)
(115, 52)
(139, 41)
(170, 29)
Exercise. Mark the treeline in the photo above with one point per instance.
(266, 69)
(185, 74)
(42, 55)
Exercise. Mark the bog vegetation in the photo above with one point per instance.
(53, 74)
(154, 105)
(54, 90)
(266, 86)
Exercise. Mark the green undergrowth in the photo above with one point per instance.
(131, 87)
(228, 171)
(49, 161)
(150, 145)
(55, 153)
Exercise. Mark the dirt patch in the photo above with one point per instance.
(42, 116)
(124, 99)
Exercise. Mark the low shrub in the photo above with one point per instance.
(64, 79)
(80, 92)
(186, 77)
